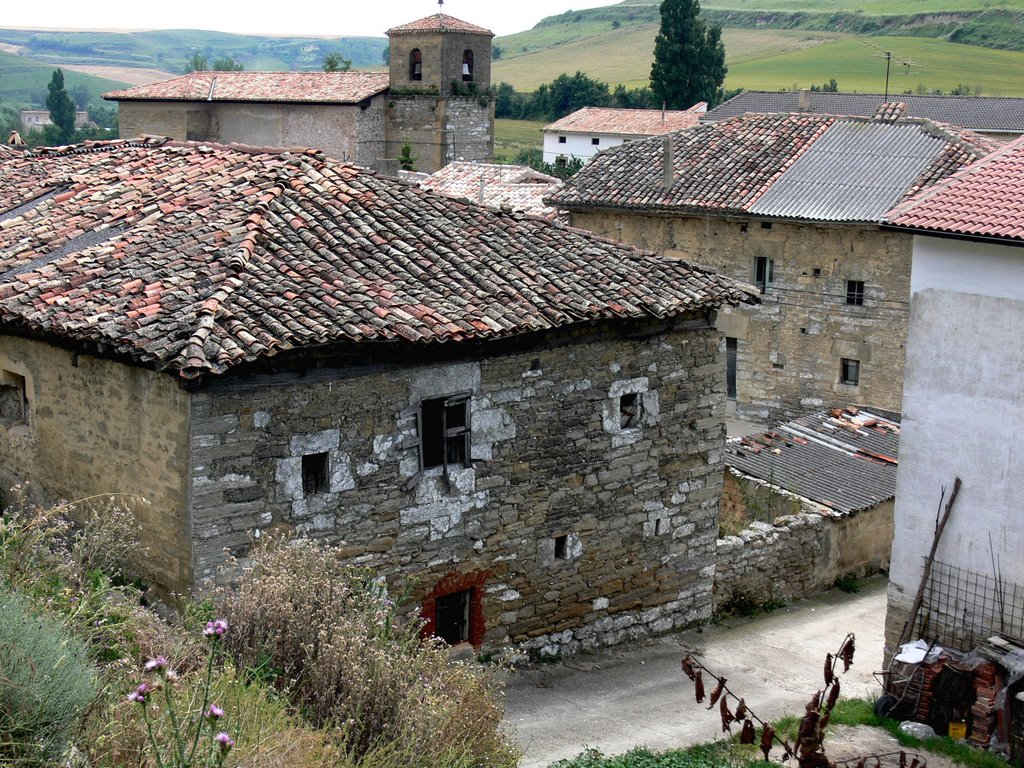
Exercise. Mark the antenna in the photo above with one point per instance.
(888, 56)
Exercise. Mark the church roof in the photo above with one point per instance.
(440, 22)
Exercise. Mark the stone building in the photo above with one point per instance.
(964, 412)
(436, 98)
(520, 422)
(792, 205)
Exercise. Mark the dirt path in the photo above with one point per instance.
(638, 696)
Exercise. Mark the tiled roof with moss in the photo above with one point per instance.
(264, 87)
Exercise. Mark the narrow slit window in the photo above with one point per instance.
(855, 293)
(562, 547)
(849, 371)
(764, 272)
(467, 66)
(13, 398)
(659, 526)
(416, 64)
(315, 473)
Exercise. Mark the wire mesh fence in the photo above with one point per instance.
(961, 607)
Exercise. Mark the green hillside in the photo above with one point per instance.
(170, 49)
(23, 81)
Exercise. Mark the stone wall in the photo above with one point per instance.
(97, 427)
(177, 120)
(790, 348)
(441, 130)
(579, 532)
(442, 61)
(795, 555)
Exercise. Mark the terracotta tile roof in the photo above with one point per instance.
(440, 22)
(519, 187)
(196, 258)
(983, 200)
(803, 166)
(284, 87)
(843, 459)
(979, 113)
(627, 122)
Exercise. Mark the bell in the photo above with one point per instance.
(465, 68)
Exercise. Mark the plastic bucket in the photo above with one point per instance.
(957, 730)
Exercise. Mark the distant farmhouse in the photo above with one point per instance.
(520, 422)
(587, 131)
(37, 119)
(997, 117)
(965, 411)
(435, 99)
(792, 205)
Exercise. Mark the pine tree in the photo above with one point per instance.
(61, 106)
(689, 58)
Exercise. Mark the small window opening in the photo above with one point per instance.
(777, 366)
(444, 431)
(659, 526)
(766, 225)
(817, 272)
(314, 473)
(562, 547)
(535, 364)
(764, 272)
(595, 141)
(849, 372)
(855, 293)
(13, 397)
(561, 161)
(467, 66)
(416, 65)
(803, 331)
(629, 410)
(452, 623)
(561, 139)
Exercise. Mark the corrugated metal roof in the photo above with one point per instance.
(842, 459)
(856, 171)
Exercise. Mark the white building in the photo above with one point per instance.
(963, 407)
(587, 131)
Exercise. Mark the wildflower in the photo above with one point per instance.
(139, 694)
(171, 675)
(214, 713)
(225, 741)
(157, 664)
(216, 628)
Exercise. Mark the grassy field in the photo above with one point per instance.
(23, 81)
(880, 7)
(858, 67)
(625, 55)
(513, 136)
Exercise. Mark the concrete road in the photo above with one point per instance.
(620, 699)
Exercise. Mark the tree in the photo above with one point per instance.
(81, 96)
(225, 64)
(689, 58)
(406, 160)
(61, 107)
(196, 62)
(335, 62)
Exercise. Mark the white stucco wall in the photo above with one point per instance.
(963, 412)
(577, 145)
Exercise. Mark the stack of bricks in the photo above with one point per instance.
(984, 711)
(927, 675)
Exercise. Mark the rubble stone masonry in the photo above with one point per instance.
(791, 347)
(578, 531)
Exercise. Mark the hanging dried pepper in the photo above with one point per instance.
(828, 669)
(688, 668)
(767, 740)
(846, 652)
(727, 716)
(741, 711)
(698, 688)
(717, 692)
(833, 695)
(748, 732)
(903, 759)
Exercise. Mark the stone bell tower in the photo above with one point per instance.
(440, 102)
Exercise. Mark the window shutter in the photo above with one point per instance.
(417, 444)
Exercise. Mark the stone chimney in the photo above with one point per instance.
(805, 100)
(668, 171)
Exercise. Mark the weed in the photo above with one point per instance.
(746, 605)
(849, 584)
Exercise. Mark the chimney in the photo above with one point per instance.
(805, 100)
(668, 175)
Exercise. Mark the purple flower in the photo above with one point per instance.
(139, 694)
(159, 663)
(216, 628)
(214, 712)
(225, 741)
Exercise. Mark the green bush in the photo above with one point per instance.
(45, 685)
(326, 634)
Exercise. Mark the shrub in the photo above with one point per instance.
(327, 635)
(45, 685)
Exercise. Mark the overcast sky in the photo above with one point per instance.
(291, 17)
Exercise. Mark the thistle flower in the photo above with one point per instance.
(140, 693)
(214, 713)
(216, 628)
(225, 741)
(157, 664)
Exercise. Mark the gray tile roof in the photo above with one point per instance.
(855, 172)
(845, 460)
(979, 113)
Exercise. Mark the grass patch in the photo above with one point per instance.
(514, 136)
(24, 81)
(704, 756)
